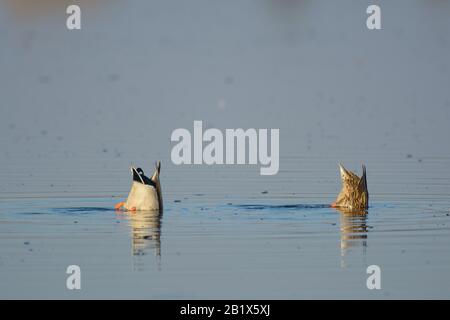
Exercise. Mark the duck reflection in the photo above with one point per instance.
(353, 230)
(146, 236)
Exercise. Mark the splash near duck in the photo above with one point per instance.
(145, 193)
(354, 194)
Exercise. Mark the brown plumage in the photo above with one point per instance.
(354, 194)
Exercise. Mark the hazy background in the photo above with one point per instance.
(77, 108)
(137, 70)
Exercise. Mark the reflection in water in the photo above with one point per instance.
(353, 231)
(146, 235)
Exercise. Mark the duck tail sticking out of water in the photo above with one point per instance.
(155, 179)
(354, 194)
(145, 193)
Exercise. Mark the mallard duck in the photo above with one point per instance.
(354, 194)
(145, 193)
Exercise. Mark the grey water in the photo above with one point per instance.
(79, 107)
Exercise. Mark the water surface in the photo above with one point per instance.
(78, 108)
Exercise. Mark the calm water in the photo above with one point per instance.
(286, 243)
(78, 108)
